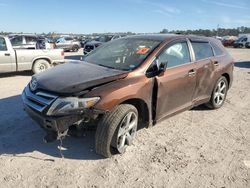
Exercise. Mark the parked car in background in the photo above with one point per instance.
(106, 38)
(241, 42)
(85, 40)
(91, 45)
(12, 60)
(127, 84)
(228, 41)
(68, 44)
(24, 41)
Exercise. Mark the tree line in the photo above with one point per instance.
(214, 32)
(204, 32)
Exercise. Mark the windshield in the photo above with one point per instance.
(122, 54)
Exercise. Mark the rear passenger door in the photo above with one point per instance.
(177, 84)
(205, 72)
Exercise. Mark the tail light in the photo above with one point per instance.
(62, 53)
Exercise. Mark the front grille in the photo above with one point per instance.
(38, 101)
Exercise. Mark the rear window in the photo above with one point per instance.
(30, 39)
(202, 50)
(217, 50)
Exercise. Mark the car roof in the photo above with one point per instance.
(158, 37)
(25, 35)
(93, 42)
(166, 37)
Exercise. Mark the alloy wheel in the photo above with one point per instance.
(126, 132)
(220, 93)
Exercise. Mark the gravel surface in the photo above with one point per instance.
(197, 148)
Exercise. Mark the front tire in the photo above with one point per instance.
(40, 65)
(116, 130)
(219, 94)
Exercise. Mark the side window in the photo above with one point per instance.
(175, 55)
(202, 50)
(3, 46)
(244, 39)
(61, 40)
(217, 50)
(30, 40)
(68, 38)
(17, 41)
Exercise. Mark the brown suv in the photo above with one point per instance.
(127, 84)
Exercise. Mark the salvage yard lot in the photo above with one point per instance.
(197, 148)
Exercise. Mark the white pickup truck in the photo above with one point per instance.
(18, 60)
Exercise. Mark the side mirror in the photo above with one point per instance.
(162, 67)
(156, 68)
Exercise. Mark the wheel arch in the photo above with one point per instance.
(39, 58)
(75, 45)
(143, 111)
(227, 76)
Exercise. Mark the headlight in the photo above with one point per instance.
(68, 105)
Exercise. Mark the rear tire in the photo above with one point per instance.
(40, 65)
(75, 48)
(219, 94)
(116, 130)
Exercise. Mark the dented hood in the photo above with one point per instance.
(74, 77)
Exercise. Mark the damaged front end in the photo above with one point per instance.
(57, 114)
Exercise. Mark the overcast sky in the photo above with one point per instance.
(88, 16)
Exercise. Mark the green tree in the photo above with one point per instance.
(164, 31)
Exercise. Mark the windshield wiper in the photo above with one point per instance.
(106, 66)
(112, 67)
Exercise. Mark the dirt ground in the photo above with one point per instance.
(197, 148)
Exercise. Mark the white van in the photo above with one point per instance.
(241, 42)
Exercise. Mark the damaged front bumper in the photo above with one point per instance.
(55, 124)
(37, 104)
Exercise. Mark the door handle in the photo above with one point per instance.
(216, 63)
(192, 72)
(7, 54)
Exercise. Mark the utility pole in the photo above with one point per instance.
(218, 30)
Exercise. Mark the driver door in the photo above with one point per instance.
(6, 61)
(176, 85)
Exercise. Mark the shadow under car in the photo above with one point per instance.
(242, 64)
(19, 136)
